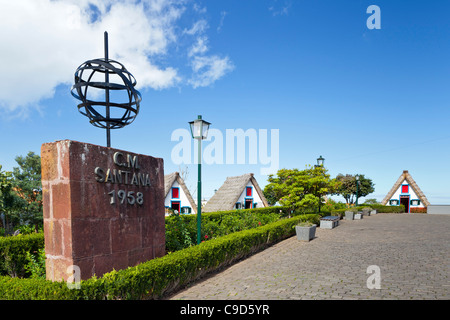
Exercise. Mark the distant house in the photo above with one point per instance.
(177, 195)
(241, 192)
(406, 191)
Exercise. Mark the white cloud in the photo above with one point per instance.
(198, 27)
(199, 47)
(222, 18)
(44, 41)
(280, 10)
(209, 69)
(206, 68)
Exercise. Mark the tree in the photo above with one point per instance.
(347, 187)
(28, 190)
(5, 194)
(371, 201)
(299, 189)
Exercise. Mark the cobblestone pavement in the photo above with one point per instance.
(412, 252)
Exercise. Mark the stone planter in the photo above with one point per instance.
(366, 212)
(305, 233)
(373, 212)
(349, 215)
(358, 216)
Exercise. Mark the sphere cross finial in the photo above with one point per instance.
(121, 102)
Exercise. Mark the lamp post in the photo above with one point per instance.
(199, 131)
(357, 189)
(320, 162)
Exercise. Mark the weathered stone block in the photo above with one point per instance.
(103, 208)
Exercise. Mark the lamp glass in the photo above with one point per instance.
(320, 161)
(199, 128)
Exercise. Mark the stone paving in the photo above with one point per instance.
(412, 252)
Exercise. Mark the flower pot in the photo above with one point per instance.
(305, 233)
(366, 212)
(373, 212)
(349, 215)
(358, 216)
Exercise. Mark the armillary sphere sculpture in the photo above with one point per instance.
(92, 81)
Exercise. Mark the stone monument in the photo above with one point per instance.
(103, 207)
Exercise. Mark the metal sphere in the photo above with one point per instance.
(92, 84)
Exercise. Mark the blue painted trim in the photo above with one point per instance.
(251, 189)
(171, 190)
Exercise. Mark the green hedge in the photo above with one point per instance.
(380, 209)
(154, 278)
(181, 229)
(13, 251)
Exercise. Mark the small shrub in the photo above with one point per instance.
(13, 253)
(36, 264)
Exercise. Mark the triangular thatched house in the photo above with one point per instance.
(177, 195)
(406, 191)
(241, 192)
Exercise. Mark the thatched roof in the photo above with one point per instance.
(169, 179)
(406, 176)
(225, 198)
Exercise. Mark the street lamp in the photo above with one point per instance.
(320, 161)
(319, 164)
(199, 131)
(357, 189)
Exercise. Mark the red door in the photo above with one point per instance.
(404, 200)
(176, 206)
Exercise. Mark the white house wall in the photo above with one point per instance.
(411, 193)
(184, 202)
(255, 196)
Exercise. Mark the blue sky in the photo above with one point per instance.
(374, 102)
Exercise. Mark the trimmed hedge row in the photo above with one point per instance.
(13, 253)
(181, 229)
(157, 277)
(217, 216)
(380, 208)
(13, 249)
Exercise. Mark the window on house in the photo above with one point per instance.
(186, 210)
(393, 202)
(175, 192)
(405, 188)
(415, 202)
(237, 205)
(248, 192)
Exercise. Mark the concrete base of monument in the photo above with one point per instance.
(103, 208)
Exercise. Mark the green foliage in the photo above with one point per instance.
(347, 187)
(36, 264)
(181, 229)
(300, 189)
(13, 253)
(5, 195)
(21, 194)
(154, 278)
(380, 208)
(371, 201)
(178, 236)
